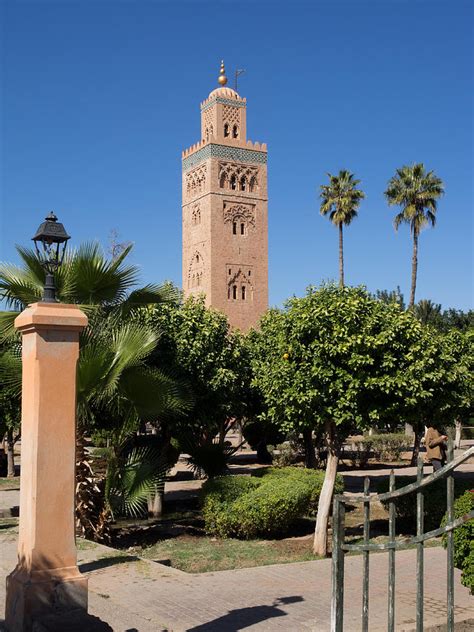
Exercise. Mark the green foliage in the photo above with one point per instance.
(429, 313)
(434, 503)
(382, 447)
(392, 296)
(464, 539)
(338, 354)
(198, 346)
(416, 191)
(134, 472)
(341, 198)
(288, 454)
(209, 459)
(268, 504)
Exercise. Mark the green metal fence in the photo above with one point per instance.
(339, 547)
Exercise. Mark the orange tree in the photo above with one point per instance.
(339, 360)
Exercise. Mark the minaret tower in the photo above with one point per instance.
(225, 234)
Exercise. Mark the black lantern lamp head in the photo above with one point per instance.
(50, 244)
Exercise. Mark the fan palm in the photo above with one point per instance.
(428, 313)
(416, 191)
(115, 386)
(86, 278)
(341, 199)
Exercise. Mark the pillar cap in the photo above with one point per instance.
(51, 316)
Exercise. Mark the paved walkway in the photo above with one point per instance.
(135, 595)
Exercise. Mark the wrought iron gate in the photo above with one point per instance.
(339, 547)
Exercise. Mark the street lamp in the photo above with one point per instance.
(50, 244)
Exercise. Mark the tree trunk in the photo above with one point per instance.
(156, 502)
(341, 258)
(416, 449)
(457, 436)
(414, 269)
(309, 453)
(10, 454)
(320, 545)
(239, 426)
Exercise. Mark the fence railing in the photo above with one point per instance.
(339, 547)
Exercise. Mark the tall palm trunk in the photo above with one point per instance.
(414, 269)
(341, 257)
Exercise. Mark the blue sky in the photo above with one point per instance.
(100, 97)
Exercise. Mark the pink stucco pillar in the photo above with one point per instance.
(46, 578)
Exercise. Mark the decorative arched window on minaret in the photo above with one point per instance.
(225, 243)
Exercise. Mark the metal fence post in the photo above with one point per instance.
(365, 583)
(337, 602)
(450, 540)
(419, 550)
(391, 558)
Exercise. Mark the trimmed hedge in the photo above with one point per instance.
(434, 500)
(463, 539)
(261, 505)
(382, 447)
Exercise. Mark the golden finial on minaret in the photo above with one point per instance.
(222, 78)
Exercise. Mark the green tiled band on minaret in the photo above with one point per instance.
(213, 150)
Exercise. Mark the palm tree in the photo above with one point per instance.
(86, 278)
(429, 313)
(341, 198)
(115, 385)
(416, 191)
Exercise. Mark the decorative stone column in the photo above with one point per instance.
(46, 578)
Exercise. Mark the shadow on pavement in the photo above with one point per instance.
(107, 561)
(241, 618)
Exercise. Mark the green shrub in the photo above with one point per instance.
(463, 539)
(288, 454)
(262, 505)
(434, 501)
(383, 447)
(101, 438)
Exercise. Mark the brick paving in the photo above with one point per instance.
(136, 595)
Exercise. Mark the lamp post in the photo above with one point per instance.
(50, 244)
(46, 580)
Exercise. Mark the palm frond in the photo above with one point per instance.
(156, 396)
(130, 483)
(7, 326)
(10, 372)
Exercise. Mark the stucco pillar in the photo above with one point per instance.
(46, 578)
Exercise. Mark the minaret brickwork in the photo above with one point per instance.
(225, 231)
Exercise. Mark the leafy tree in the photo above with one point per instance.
(392, 296)
(198, 346)
(341, 199)
(457, 319)
(338, 359)
(416, 191)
